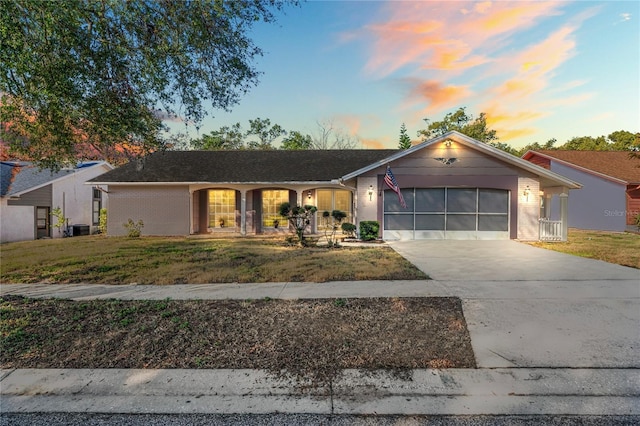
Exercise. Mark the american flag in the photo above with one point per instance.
(391, 182)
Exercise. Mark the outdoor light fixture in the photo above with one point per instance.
(309, 195)
(370, 192)
(526, 192)
(447, 143)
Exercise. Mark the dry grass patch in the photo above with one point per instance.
(622, 248)
(306, 338)
(161, 260)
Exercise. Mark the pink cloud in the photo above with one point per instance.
(434, 94)
(446, 35)
(374, 143)
(464, 53)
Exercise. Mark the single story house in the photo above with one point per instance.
(29, 195)
(610, 197)
(453, 186)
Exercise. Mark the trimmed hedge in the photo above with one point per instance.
(369, 230)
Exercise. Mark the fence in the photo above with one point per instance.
(550, 230)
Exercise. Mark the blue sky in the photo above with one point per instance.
(539, 70)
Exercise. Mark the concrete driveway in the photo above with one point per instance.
(530, 307)
(504, 260)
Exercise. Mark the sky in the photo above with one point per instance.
(539, 70)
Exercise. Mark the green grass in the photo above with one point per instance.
(622, 248)
(180, 260)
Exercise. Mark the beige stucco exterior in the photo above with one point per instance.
(451, 162)
(164, 209)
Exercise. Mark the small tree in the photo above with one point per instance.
(332, 221)
(60, 220)
(299, 218)
(405, 140)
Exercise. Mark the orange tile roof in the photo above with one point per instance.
(616, 164)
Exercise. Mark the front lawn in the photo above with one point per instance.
(622, 248)
(180, 260)
(312, 339)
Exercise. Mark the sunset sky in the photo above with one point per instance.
(539, 70)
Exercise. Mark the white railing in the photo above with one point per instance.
(550, 230)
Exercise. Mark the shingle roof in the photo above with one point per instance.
(616, 164)
(6, 173)
(17, 177)
(246, 166)
(26, 176)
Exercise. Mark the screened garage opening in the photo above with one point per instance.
(447, 213)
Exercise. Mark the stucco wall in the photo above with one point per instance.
(76, 199)
(163, 209)
(599, 205)
(17, 223)
(367, 209)
(528, 208)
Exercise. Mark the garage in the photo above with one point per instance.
(447, 213)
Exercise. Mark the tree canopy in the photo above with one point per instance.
(462, 122)
(104, 74)
(296, 140)
(262, 135)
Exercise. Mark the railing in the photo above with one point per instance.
(550, 230)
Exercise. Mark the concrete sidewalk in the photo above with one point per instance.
(433, 392)
(556, 336)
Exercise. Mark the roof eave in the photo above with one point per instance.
(50, 182)
(310, 182)
(470, 142)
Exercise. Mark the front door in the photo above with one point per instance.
(42, 222)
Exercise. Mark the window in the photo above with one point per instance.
(96, 206)
(334, 199)
(271, 201)
(222, 208)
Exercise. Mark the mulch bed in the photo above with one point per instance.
(312, 339)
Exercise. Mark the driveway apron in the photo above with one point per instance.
(530, 307)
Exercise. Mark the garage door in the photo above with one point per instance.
(447, 213)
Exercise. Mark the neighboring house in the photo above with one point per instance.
(454, 187)
(28, 195)
(610, 197)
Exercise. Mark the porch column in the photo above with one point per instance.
(564, 212)
(191, 227)
(243, 212)
(547, 205)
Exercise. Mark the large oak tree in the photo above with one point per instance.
(103, 74)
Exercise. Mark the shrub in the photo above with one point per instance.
(349, 229)
(638, 221)
(369, 230)
(102, 224)
(134, 229)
